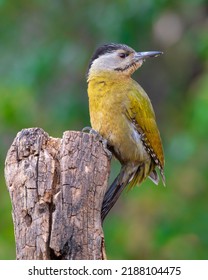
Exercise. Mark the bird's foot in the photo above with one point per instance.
(98, 137)
(105, 147)
(90, 130)
(87, 129)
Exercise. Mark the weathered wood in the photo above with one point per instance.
(57, 188)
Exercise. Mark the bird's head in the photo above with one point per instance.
(117, 58)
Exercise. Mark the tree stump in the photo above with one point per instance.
(57, 188)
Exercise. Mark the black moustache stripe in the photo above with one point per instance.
(125, 68)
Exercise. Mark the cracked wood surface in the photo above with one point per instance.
(57, 188)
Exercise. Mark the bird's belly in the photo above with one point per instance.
(121, 136)
(128, 147)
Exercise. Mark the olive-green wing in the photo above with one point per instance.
(141, 113)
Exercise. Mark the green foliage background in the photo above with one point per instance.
(45, 47)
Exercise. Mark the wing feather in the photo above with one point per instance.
(141, 113)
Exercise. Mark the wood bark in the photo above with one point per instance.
(57, 188)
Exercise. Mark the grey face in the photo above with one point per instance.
(112, 57)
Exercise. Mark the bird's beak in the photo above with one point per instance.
(143, 55)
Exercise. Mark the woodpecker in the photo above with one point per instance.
(121, 112)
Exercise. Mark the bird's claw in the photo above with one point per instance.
(105, 147)
(92, 131)
(87, 129)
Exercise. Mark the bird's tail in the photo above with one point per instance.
(129, 174)
(124, 177)
(112, 195)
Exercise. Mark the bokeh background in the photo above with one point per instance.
(45, 47)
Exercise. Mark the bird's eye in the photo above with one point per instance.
(123, 55)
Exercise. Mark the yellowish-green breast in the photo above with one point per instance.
(115, 104)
